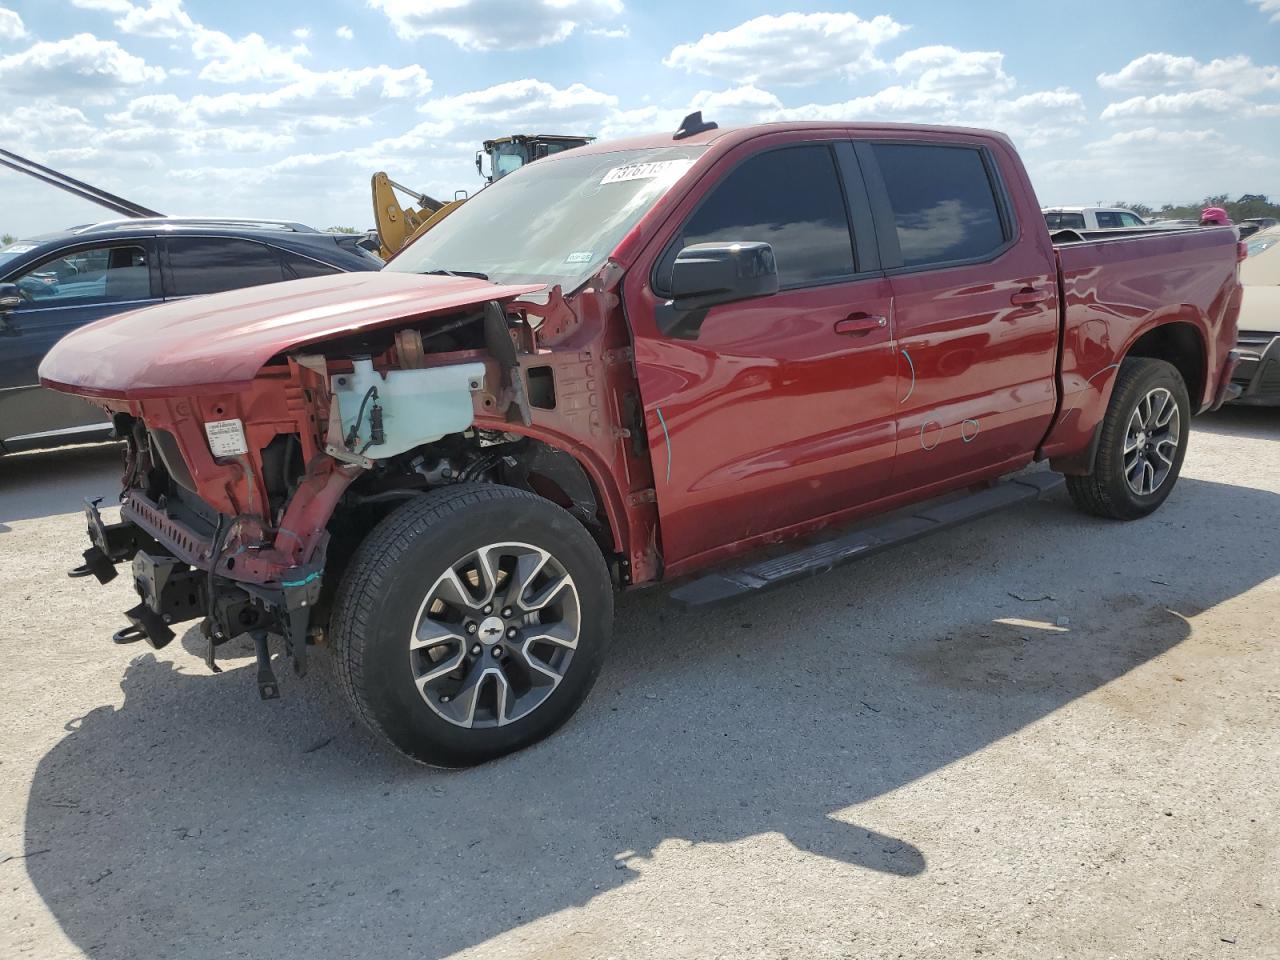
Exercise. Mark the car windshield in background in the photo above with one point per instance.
(1262, 241)
(14, 250)
(554, 221)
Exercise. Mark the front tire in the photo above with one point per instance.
(1142, 444)
(472, 622)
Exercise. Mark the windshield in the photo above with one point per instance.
(553, 221)
(13, 250)
(1256, 244)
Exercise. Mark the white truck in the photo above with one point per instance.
(1090, 218)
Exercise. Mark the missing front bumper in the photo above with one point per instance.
(173, 589)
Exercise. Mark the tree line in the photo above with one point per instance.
(1249, 205)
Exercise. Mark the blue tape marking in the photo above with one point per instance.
(300, 583)
(666, 437)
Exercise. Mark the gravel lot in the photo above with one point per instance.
(1041, 735)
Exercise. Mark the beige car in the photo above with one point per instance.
(1258, 375)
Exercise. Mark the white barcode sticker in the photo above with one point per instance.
(646, 171)
(226, 438)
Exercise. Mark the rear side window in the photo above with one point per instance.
(943, 202)
(214, 264)
(1108, 220)
(297, 267)
(1064, 221)
(790, 198)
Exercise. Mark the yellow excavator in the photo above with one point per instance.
(397, 225)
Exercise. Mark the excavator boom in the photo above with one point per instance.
(78, 188)
(396, 224)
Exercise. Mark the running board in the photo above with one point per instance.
(821, 557)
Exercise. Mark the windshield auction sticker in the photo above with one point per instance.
(647, 171)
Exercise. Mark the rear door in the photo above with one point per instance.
(64, 291)
(774, 411)
(975, 306)
(198, 265)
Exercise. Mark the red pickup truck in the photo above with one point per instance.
(634, 362)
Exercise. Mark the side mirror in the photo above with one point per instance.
(707, 274)
(10, 297)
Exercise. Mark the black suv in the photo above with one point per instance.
(53, 284)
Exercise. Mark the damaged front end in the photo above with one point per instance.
(242, 503)
(237, 541)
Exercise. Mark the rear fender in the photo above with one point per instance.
(1072, 444)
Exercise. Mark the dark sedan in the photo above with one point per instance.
(53, 284)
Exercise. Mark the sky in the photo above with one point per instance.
(286, 108)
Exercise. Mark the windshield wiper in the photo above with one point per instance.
(456, 273)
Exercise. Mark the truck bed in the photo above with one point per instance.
(1114, 289)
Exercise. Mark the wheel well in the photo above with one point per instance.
(1181, 345)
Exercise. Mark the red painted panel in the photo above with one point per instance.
(977, 372)
(1117, 290)
(226, 338)
(769, 417)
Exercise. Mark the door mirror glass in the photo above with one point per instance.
(706, 274)
(10, 297)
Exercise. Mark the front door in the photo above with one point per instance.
(61, 294)
(774, 411)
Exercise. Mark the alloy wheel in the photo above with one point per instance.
(1151, 441)
(495, 635)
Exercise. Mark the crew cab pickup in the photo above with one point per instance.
(633, 362)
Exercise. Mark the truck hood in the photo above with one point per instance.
(1260, 309)
(226, 338)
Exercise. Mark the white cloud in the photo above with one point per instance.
(302, 33)
(1269, 8)
(345, 33)
(1162, 71)
(523, 102)
(614, 33)
(106, 6)
(1135, 164)
(319, 97)
(79, 63)
(495, 24)
(245, 60)
(946, 68)
(790, 48)
(11, 25)
(162, 18)
(34, 122)
(1185, 103)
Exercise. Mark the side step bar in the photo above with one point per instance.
(863, 542)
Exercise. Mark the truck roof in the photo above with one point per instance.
(729, 136)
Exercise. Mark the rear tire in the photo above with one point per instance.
(1142, 443)
(471, 622)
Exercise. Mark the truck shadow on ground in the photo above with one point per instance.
(1261, 423)
(192, 820)
(48, 482)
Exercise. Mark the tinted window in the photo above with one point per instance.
(942, 201)
(100, 275)
(213, 264)
(297, 267)
(1108, 219)
(790, 198)
(1064, 221)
